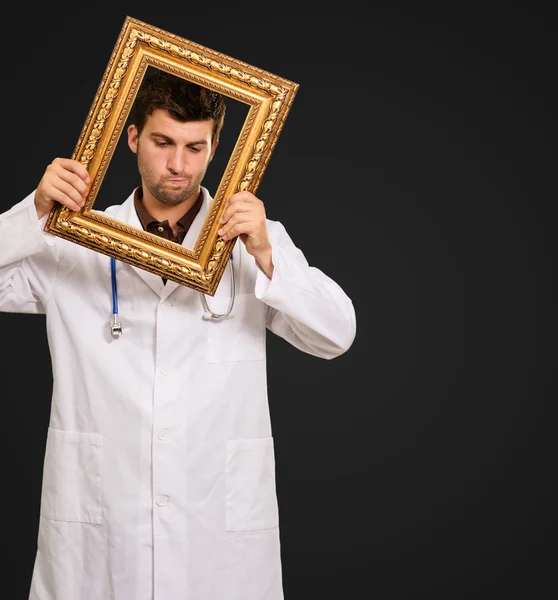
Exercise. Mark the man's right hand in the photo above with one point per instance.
(65, 181)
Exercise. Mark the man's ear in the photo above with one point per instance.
(133, 138)
(213, 148)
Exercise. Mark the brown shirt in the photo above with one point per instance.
(163, 228)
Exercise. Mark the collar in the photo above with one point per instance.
(146, 219)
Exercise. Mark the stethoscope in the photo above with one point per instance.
(116, 325)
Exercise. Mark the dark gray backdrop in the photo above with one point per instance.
(419, 143)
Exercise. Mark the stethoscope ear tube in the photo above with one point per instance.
(209, 314)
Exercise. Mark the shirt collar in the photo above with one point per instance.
(146, 219)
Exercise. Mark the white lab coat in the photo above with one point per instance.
(159, 473)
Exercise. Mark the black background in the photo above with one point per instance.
(420, 144)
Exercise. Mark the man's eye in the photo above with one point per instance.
(193, 149)
(162, 144)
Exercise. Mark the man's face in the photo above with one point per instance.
(172, 156)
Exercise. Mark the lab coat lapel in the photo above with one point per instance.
(128, 214)
(191, 237)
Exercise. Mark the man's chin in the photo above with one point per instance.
(173, 199)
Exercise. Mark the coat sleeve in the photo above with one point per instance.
(28, 259)
(304, 306)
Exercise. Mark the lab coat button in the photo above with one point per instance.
(166, 370)
(164, 434)
(166, 305)
(162, 501)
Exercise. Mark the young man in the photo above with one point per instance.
(159, 474)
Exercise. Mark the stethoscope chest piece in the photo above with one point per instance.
(115, 327)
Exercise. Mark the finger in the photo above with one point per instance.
(237, 207)
(65, 194)
(239, 229)
(70, 177)
(242, 199)
(74, 166)
(243, 196)
(236, 219)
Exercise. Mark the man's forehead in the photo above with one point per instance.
(162, 121)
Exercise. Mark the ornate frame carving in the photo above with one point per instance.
(139, 45)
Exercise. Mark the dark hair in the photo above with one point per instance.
(186, 101)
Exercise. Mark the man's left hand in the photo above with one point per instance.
(245, 217)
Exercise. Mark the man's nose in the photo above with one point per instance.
(176, 161)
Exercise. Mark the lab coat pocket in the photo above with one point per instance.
(251, 498)
(240, 336)
(72, 477)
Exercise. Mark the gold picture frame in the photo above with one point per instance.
(269, 98)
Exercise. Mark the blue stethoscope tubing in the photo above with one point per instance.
(116, 325)
(114, 288)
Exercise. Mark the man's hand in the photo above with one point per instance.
(65, 181)
(245, 217)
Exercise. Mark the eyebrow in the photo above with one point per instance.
(168, 139)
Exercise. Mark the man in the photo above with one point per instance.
(159, 474)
